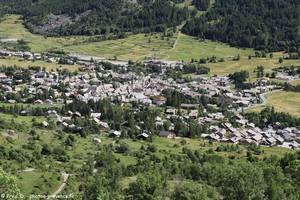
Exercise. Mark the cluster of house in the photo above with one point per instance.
(248, 133)
(147, 89)
(69, 59)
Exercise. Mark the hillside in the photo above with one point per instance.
(94, 17)
(269, 25)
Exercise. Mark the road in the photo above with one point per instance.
(263, 98)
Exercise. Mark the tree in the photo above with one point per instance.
(194, 191)
(280, 60)
(147, 186)
(8, 187)
(239, 78)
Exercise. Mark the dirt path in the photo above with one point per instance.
(61, 187)
(176, 41)
(28, 170)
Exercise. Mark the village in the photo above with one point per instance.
(94, 83)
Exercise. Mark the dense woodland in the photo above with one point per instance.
(269, 25)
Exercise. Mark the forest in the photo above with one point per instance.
(264, 25)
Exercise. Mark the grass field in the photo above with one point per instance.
(283, 102)
(134, 47)
(229, 66)
(188, 47)
(14, 61)
(35, 181)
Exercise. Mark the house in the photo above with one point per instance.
(159, 100)
(116, 133)
(167, 134)
(11, 101)
(143, 136)
(52, 113)
(257, 137)
(2, 77)
(95, 115)
(171, 111)
(235, 139)
(45, 124)
(189, 106)
(270, 141)
(193, 113)
(38, 101)
(291, 145)
(104, 125)
(97, 140)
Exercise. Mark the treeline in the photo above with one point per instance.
(264, 25)
(291, 88)
(269, 116)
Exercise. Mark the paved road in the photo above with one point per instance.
(263, 98)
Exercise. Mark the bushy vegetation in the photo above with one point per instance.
(196, 175)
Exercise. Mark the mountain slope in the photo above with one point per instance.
(269, 25)
(91, 17)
